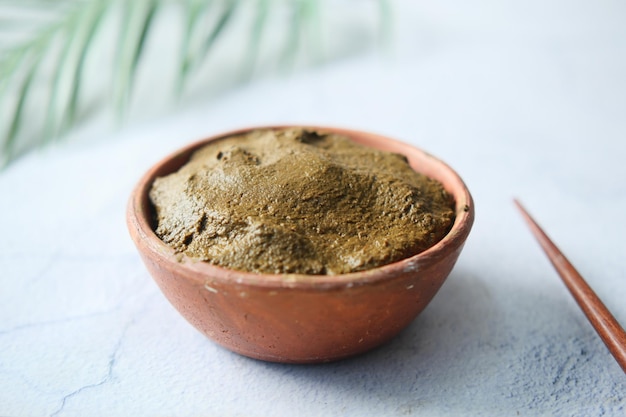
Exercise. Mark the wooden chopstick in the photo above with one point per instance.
(609, 330)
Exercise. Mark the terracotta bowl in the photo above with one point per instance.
(301, 318)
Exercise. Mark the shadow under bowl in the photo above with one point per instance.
(296, 318)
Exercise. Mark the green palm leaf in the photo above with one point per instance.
(92, 22)
(57, 37)
(131, 45)
(7, 145)
(191, 59)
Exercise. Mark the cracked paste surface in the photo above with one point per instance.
(298, 201)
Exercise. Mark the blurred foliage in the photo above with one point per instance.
(54, 38)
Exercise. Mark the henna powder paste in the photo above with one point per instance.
(299, 201)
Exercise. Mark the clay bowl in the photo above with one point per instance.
(301, 318)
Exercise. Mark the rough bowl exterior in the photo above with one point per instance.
(301, 318)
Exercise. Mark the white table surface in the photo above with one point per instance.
(523, 99)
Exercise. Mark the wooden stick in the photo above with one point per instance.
(610, 331)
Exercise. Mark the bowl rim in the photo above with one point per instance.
(204, 272)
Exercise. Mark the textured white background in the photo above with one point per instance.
(523, 99)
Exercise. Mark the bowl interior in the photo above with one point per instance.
(142, 218)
